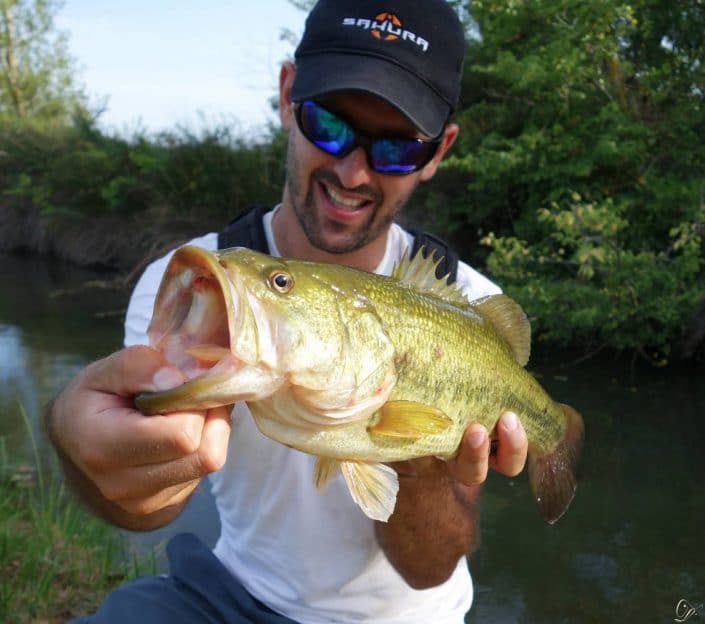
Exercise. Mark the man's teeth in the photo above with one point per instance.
(348, 202)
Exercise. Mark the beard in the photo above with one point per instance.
(301, 195)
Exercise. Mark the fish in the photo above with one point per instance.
(358, 369)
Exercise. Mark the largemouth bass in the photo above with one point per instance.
(355, 368)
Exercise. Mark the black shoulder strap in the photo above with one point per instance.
(245, 230)
(440, 249)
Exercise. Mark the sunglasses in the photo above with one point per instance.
(337, 137)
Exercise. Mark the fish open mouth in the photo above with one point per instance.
(194, 313)
(205, 325)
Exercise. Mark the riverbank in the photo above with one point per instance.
(56, 560)
(118, 243)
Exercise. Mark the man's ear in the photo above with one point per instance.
(449, 135)
(286, 108)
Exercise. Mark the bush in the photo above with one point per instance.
(148, 190)
(581, 161)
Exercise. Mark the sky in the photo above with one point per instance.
(159, 63)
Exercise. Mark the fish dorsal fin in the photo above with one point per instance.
(510, 322)
(419, 272)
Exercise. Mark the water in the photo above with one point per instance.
(632, 544)
(45, 338)
(628, 550)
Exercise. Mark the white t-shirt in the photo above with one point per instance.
(310, 556)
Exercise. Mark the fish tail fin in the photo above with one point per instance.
(552, 475)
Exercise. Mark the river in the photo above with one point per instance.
(630, 548)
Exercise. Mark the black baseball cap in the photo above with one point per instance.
(408, 52)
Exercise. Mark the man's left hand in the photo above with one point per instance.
(474, 458)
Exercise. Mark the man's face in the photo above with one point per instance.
(342, 204)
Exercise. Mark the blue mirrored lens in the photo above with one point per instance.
(335, 136)
(399, 155)
(325, 130)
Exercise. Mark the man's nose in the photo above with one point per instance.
(353, 170)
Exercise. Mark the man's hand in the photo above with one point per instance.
(474, 458)
(134, 470)
(435, 521)
(505, 453)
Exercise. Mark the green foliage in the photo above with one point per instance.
(215, 172)
(582, 284)
(37, 75)
(79, 171)
(57, 561)
(581, 152)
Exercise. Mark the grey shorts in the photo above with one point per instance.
(198, 589)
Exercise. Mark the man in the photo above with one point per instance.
(367, 109)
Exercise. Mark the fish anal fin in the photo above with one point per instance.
(373, 487)
(552, 475)
(510, 322)
(409, 419)
(324, 471)
(419, 272)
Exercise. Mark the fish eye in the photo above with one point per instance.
(281, 281)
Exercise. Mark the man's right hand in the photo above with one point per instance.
(136, 471)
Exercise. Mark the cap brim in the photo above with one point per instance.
(326, 73)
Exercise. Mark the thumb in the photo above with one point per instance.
(132, 370)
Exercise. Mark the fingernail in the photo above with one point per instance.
(510, 421)
(167, 378)
(477, 438)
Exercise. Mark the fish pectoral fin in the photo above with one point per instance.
(373, 487)
(409, 419)
(324, 471)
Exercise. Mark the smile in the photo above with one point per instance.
(341, 200)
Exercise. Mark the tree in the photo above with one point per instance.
(582, 155)
(36, 72)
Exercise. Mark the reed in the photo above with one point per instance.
(57, 561)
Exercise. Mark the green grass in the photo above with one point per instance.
(56, 560)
